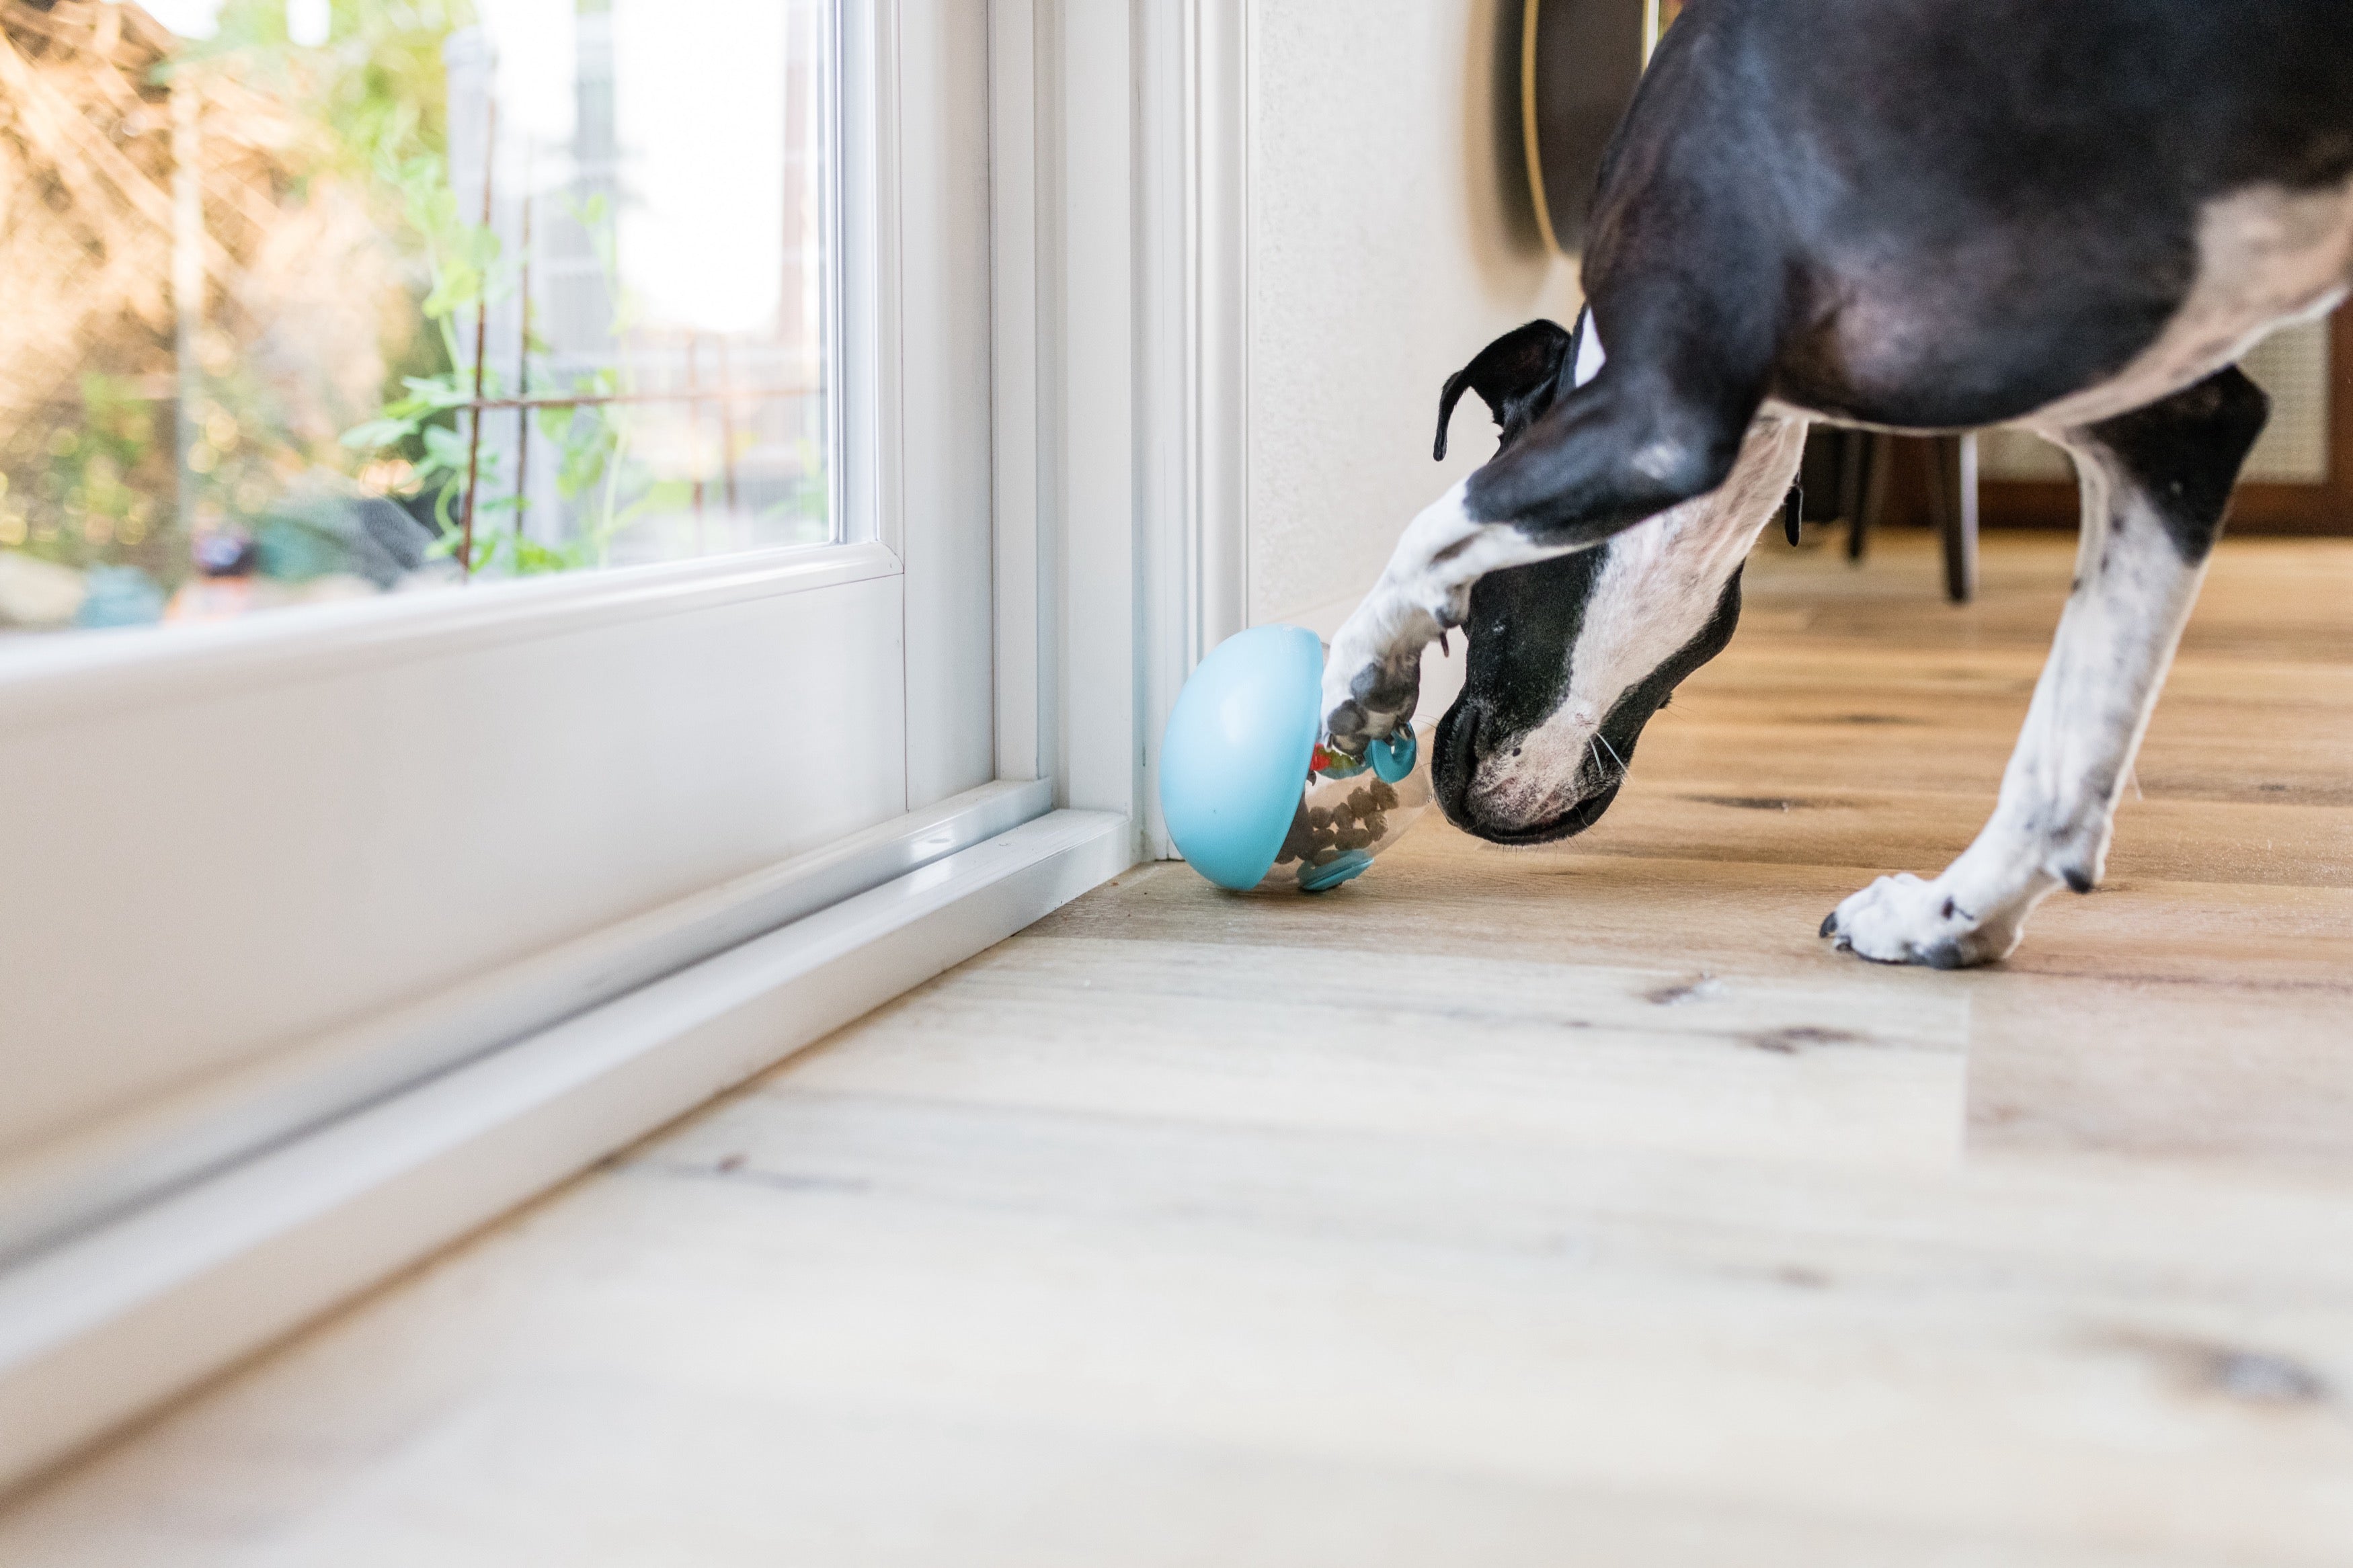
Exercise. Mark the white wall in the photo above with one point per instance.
(1389, 242)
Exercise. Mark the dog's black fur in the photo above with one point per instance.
(1918, 215)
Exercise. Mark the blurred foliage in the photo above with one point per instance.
(378, 95)
(94, 481)
(469, 269)
(375, 89)
(94, 466)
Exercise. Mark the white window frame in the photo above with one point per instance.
(1113, 457)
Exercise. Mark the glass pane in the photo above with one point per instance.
(322, 299)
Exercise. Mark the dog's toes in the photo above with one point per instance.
(1345, 730)
(1388, 688)
(1904, 919)
(1372, 703)
(1372, 675)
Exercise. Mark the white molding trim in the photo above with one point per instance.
(57, 1188)
(86, 673)
(1192, 375)
(1218, 197)
(866, 219)
(1094, 321)
(1169, 426)
(942, 427)
(100, 1330)
(1120, 206)
(1017, 320)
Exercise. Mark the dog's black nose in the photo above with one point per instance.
(1466, 744)
(1453, 753)
(1467, 737)
(1485, 736)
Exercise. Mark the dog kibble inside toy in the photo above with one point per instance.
(1321, 833)
(1253, 802)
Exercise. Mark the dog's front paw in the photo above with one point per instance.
(1372, 672)
(1902, 919)
(1368, 698)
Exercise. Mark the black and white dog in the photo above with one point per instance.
(2073, 215)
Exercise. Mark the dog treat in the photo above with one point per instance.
(1345, 808)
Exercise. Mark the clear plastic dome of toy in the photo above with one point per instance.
(1350, 811)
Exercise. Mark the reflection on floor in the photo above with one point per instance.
(1572, 1205)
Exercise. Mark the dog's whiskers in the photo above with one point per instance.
(1594, 748)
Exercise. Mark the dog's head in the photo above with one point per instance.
(1569, 657)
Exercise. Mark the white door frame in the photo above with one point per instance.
(1122, 307)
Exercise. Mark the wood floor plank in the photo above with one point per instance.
(1303, 1036)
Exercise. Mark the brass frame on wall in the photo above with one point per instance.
(1658, 15)
(1531, 142)
(1596, 50)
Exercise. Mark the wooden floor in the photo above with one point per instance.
(1563, 1206)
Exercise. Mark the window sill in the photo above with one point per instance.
(106, 1326)
(82, 673)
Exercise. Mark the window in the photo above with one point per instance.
(264, 867)
(337, 301)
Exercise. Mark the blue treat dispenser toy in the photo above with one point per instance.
(1251, 801)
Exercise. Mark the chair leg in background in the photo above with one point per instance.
(1878, 463)
(1957, 514)
(1855, 455)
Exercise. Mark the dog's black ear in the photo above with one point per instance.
(1516, 374)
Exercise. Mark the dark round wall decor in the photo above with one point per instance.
(1579, 60)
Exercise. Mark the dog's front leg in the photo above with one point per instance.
(2156, 485)
(1374, 674)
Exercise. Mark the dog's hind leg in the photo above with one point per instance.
(2156, 485)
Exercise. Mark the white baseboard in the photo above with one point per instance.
(104, 1327)
(71, 1184)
